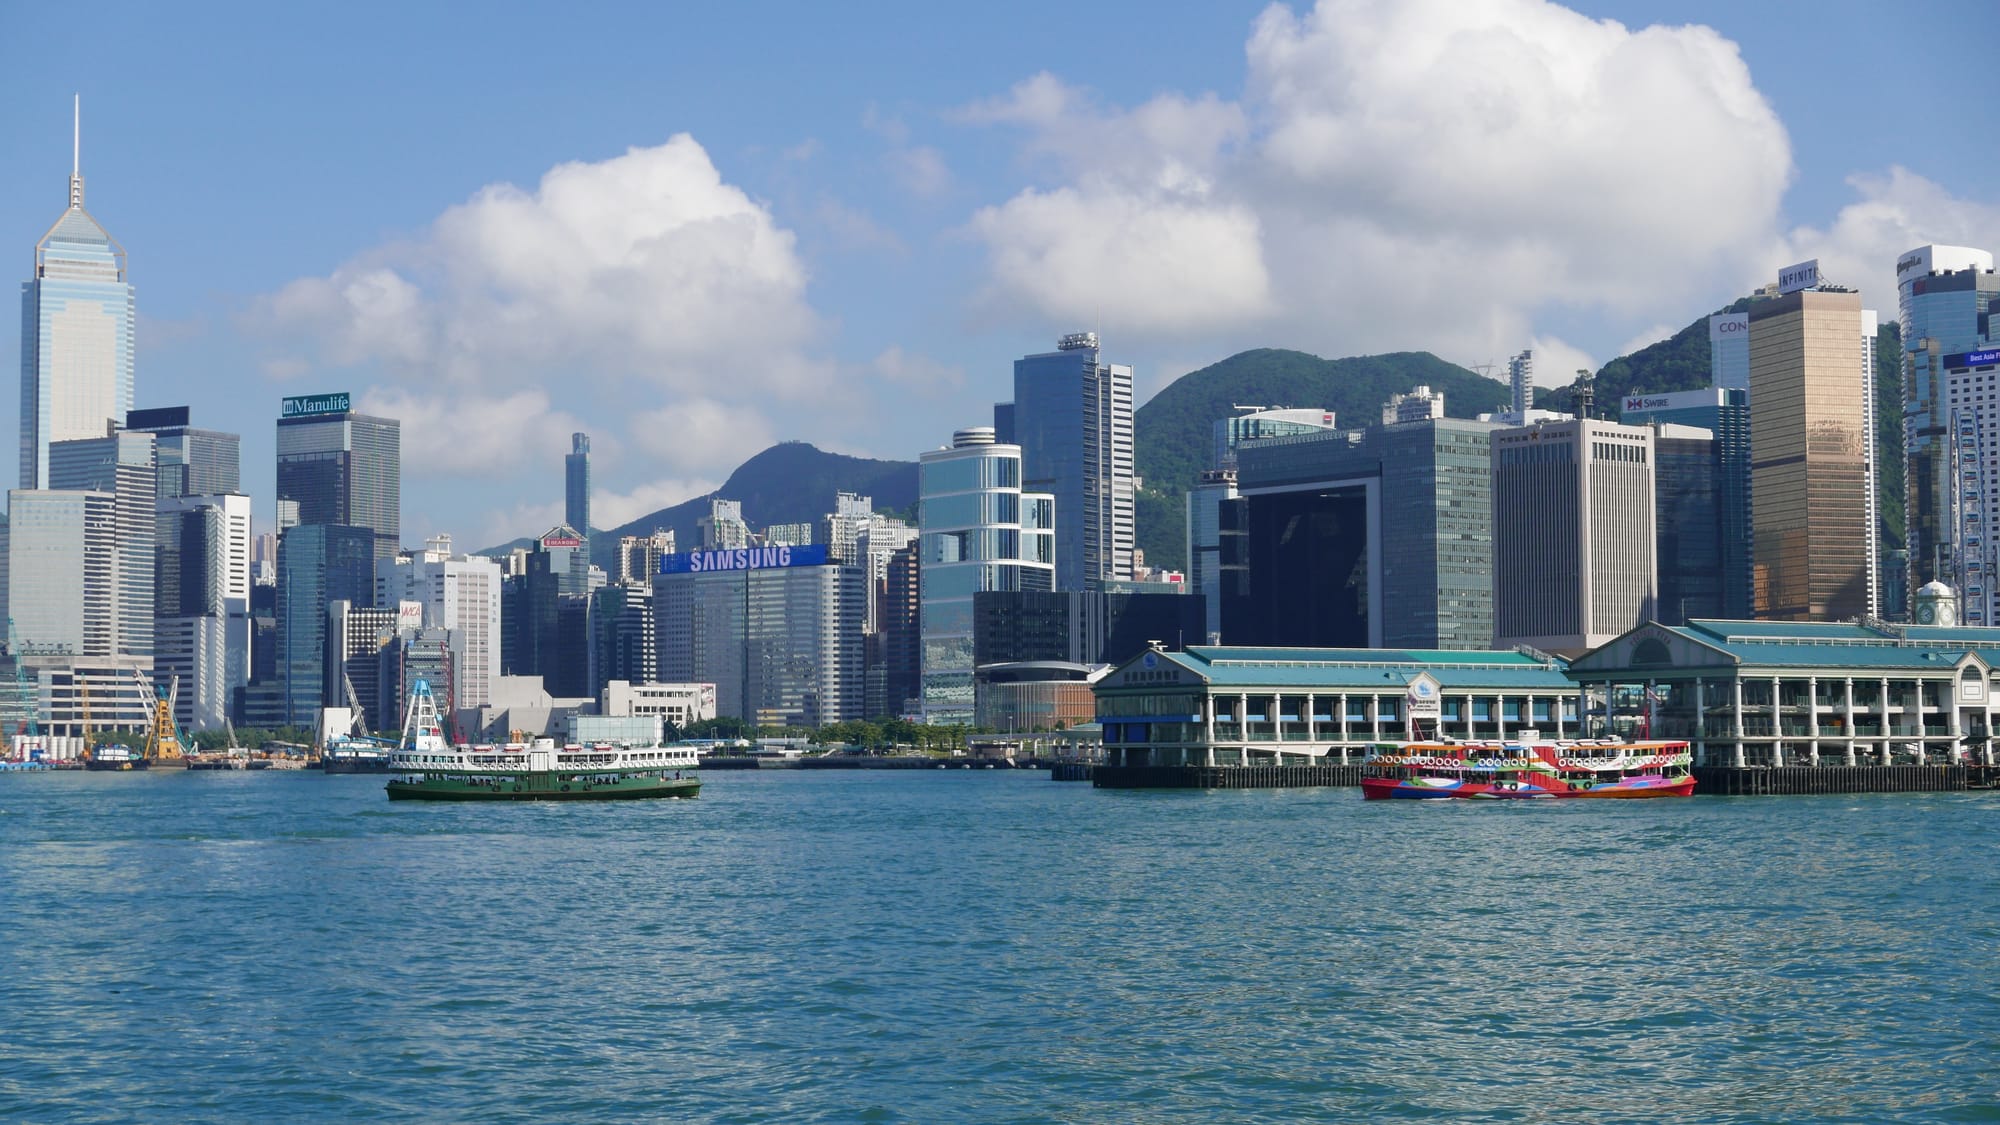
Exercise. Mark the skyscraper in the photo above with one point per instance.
(576, 484)
(1810, 466)
(979, 531)
(77, 315)
(459, 594)
(318, 564)
(1521, 381)
(202, 625)
(336, 467)
(62, 566)
(1725, 413)
(1573, 534)
(188, 461)
(1947, 299)
(1072, 419)
(122, 465)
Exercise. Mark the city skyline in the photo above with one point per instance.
(892, 246)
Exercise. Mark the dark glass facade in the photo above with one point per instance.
(317, 565)
(1081, 627)
(344, 469)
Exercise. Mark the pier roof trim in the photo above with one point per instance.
(1738, 647)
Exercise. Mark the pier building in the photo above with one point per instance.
(1769, 693)
(1228, 706)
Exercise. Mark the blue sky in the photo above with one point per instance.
(690, 230)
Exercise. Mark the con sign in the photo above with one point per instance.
(1728, 326)
(1805, 275)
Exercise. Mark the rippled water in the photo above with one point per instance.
(950, 946)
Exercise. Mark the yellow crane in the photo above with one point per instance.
(163, 736)
(83, 693)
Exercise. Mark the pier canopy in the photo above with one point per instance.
(1221, 705)
(1790, 693)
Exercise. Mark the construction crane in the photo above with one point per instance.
(164, 742)
(83, 694)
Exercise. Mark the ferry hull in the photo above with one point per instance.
(117, 764)
(355, 765)
(1384, 789)
(530, 787)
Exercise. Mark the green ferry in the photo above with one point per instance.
(428, 768)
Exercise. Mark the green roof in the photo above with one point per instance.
(1371, 669)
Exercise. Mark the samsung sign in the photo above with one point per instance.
(743, 558)
(305, 406)
(1972, 359)
(1805, 275)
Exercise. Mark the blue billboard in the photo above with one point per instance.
(1971, 359)
(743, 558)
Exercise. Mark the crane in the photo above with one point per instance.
(164, 742)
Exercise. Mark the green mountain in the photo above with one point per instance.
(1175, 429)
(792, 482)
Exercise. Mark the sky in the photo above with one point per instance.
(693, 230)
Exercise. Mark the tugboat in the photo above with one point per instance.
(1527, 770)
(114, 757)
(427, 768)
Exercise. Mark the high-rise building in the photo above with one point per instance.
(639, 555)
(1729, 351)
(979, 531)
(188, 461)
(120, 463)
(1257, 423)
(1947, 300)
(1810, 470)
(1725, 413)
(318, 564)
(77, 316)
(1687, 517)
(340, 468)
(1573, 534)
(625, 635)
(576, 484)
(892, 668)
(62, 569)
(1079, 626)
(1204, 545)
(1362, 539)
(1072, 419)
(841, 530)
(461, 595)
(723, 529)
(360, 641)
(1521, 381)
(1418, 404)
(202, 623)
(877, 542)
(776, 629)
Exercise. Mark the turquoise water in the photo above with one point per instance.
(988, 946)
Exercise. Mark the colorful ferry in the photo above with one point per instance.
(428, 768)
(1527, 770)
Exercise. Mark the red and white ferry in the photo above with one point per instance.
(1527, 770)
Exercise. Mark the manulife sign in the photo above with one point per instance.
(305, 406)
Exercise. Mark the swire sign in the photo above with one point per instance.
(743, 558)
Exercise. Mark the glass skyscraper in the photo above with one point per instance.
(341, 468)
(190, 462)
(979, 531)
(318, 564)
(576, 484)
(120, 464)
(76, 337)
(1072, 418)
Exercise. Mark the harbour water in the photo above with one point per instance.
(988, 946)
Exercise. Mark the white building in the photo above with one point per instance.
(203, 628)
(460, 593)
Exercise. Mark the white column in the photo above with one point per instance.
(1243, 719)
(1888, 727)
(1847, 718)
(1736, 719)
(1778, 721)
(1812, 720)
(1700, 739)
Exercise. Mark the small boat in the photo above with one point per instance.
(427, 768)
(1527, 770)
(356, 755)
(115, 757)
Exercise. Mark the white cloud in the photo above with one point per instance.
(702, 434)
(921, 171)
(1428, 174)
(1556, 362)
(473, 435)
(1896, 213)
(1647, 337)
(615, 509)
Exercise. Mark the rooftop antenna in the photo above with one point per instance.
(76, 152)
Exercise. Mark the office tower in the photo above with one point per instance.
(576, 484)
(1809, 470)
(979, 531)
(1729, 351)
(459, 594)
(122, 465)
(639, 555)
(1362, 539)
(1419, 404)
(788, 535)
(77, 316)
(892, 666)
(1079, 626)
(1204, 545)
(341, 468)
(1521, 380)
(1687, 524)
(202, 624)
(360, 640)
(1947, 300)
(1072, 419)
(877, 543)
(428, 654)
(777, 630)
(1725, 413)
(188, 461)
(1573, 534)
(1258, 423)
(842, 529)
(624, 635)
(545, 614)
(62, 571)
(723, 529)
(318, 564)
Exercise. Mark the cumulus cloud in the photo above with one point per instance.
(1896, 212)
(918, 373)
(702, 433)
(472, 435)
(1423, 174)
